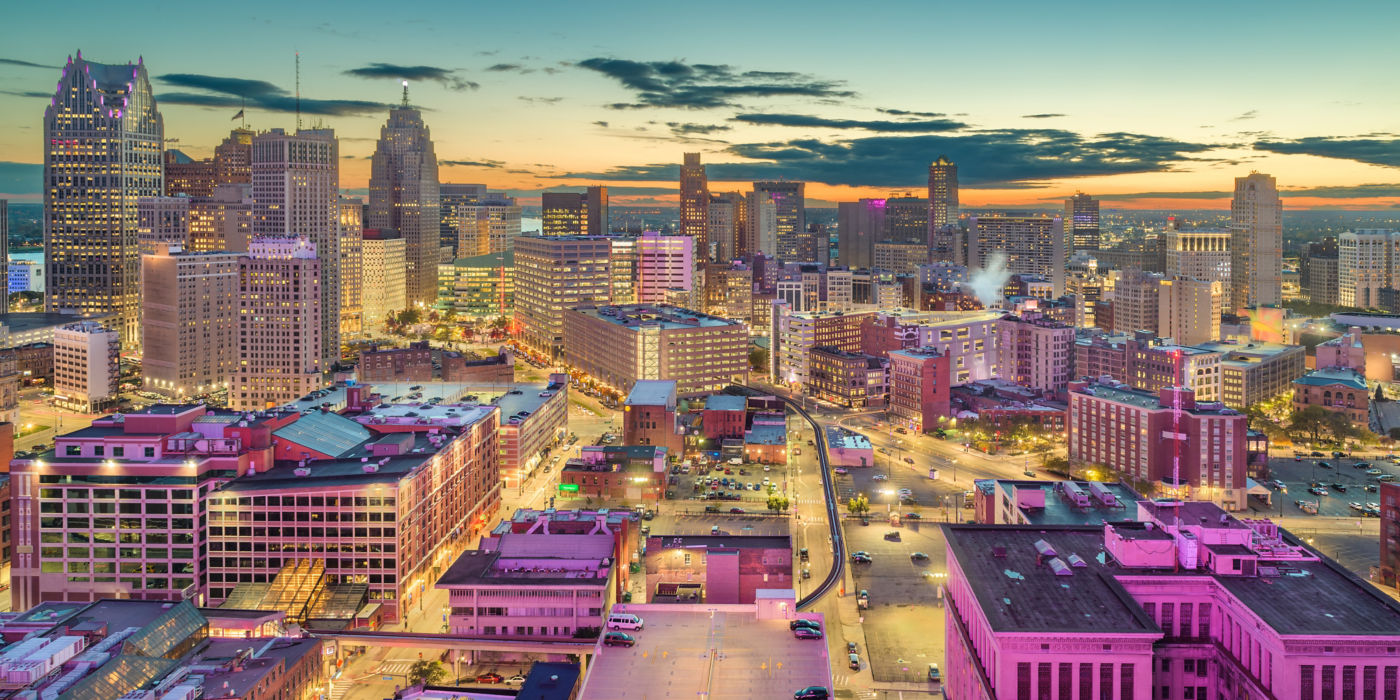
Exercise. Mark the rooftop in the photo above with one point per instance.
(35, 320)
(514, 559)
(529, 400)
(841, 438)
(1331, 376)
(325, 432)
(759, 434)
(335, 472)
(725, 402)
(549, 680)
(652, 392)
(725, 541)
(1239, 354)
(637, 316)
(1059, 510)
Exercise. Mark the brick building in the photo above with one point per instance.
(411, 364)
(848, 379)
(919, 384)
(1336, 389)
(649, 416)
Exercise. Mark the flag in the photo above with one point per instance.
(238, 116)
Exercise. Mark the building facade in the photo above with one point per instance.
(1364, 266)
(848, 379)
(85, 366)
(1034, 351)
(382, 261)
(789, 217)
(1256, 242)
(919, 384)
(404, 197)
(1030, 245)
(1338, 390)
(1082, 222)
(618, 346)
(664, 263)
(279, 324)
(942, 193)
(1188, 310)
(695, 205)
(189, 321)
(1201, 255)
(554, 273)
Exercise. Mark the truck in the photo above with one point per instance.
(933, 473)
(863, 599)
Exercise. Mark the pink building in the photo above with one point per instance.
(1345, 351)
(117, 509)
(1034, 351)
(533, 419)
(663, 262)
(919, 383)
(1187, 601)
(724, 416)
(1159, 437)
(716, 569)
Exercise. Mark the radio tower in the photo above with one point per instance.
(298, 91)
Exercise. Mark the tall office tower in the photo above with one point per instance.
(663, 263)
(233, 159)
(906, 220)
(789, 201)
(489, 225)
(1188, 310)
(279, 322)
(185, 176)
(1317, 271)
(1364, 266)
(350, 231)
(622, 269)
(296, 193)
(161, 221)
(403, 197)
(725, 224)
(597, 207)
(103, 137)
(695, 206)
(1136, 301)
(942, 193)
(1256, 242)
(1202, 255)
(1082, 222)
(450, 197)
(1031, 245)
(553, 273)
(382, 288)
(85, 369)
(858, 226)
(5, 232)
(223, 221)
(762, 226)
(189, 321)
(563, 213)
(948, 244)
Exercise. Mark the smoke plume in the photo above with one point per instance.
(987, 283)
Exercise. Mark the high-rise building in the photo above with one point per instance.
(1034, 351)
(382, 289)
(1364, 266)
(1201, 255)
(906, 220)
(664, 262)
(900, 258)
(189, 321)
(85, 373)
(727, 225)
(279, 323)
(619, 346)
(1135, 301)
(1317, 271)
(1188, 310)
(554, 273)
(793, 334)
(103, 138)
(488, 225)
(296, 180)
(942, 193)
(450, 197)
(919, 383)
(695, 205)
(762, 235)
(729, 290)
(223, 221)
(162, 221)
(575, 213)
(187, 177)
(790, 212)
(1082, 222)
(622, 269)
(233, 159)
(858, 226)
(1031, 245)
(5, 233)
(403, 197)
(598, 208)
(481, 287)
(1256, 242)
(350, 231)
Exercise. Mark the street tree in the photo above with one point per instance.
(426, 672)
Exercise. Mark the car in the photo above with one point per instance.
(918, 556)
(910, 460)
(490, 677)
(767, 468)
(880, 477)
(901, 431)
(1279, 485)
(1356, 507)
(1386, 477)
(1316, 454)
(711, 509)
(807, 633)
(1338, 455)
(1361, 465)
(851, 648)
(1317, 491)
(853, 660)
(618, 639)
(1325, 465)
(737, 511)
(1370, 488)
(803, 555)
(812, 692)
(861, 558)
(1029, 472)
(912, 516)
(883, 450)
(906, 492)
(933, 675)
(1374, 472)
(892, 535)
(1340, 487)
(841, 470)
(813, 624)
(517, 679)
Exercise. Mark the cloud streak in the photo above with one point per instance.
(483, 163)
(232, 93)
(444, 76)
(1043, 115)
(25, 64)
(677, 84)
(1376, 151)
(881, 125)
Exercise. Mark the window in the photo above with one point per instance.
(1105, 681)
(1125, 682)
(1066, 681)
(1023, 681)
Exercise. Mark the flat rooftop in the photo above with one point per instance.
(31, 321)
(455, 414)
(1059, 510)
(714, 652)
(838, 437)
(521, 559)
(530, 398)
(336, 472)
(635, 316)
(725, 402)
(651, 392)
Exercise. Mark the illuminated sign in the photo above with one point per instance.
(568, 487)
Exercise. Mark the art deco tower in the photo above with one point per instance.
(102, 151)
(403, 197)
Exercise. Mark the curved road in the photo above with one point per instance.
(833, 518)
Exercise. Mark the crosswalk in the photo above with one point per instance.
(339, 687)
(394, 667)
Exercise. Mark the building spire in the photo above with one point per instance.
(405, 94)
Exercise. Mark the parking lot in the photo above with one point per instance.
(740, 485)
(1356, 485)
(904, 624)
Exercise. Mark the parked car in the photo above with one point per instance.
(892, 535)
(861, 558)
(737, 511)
(912, 516)
(910, 460)
(851, 648)
(490, 678)
(807, 633)
(517, 679)
(918, 556)
(618, 639)
(853, 661)
(1317, 491)
(804, 623)
(933, 675)
(1340, 487)
(812, 692)
(1325, 465)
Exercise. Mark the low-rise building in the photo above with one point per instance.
(411, 364)
(717, 569)
(1256, 371)
(533, 420)
(1032, 502)
(470, 368)
(919, 384)
(1146, 362)
(846, 448)
(85, 366)
(1336, 389)
(795, 333)
(1345, 351)
(649, 416)
(847, 379)
(724, 416)
(627, 473)
(765, 441)
(478, 286)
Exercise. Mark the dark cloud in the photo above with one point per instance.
(991, 158)
(25, 64)
(483, 163)
(1377, 151)
(1346, 191)
(686, 129)
(907, 113)
(21, 178)
(26, 93)
(1246, 116)
(232, 93)
(446, 76)
(916, 126)
(704, 85)
(1043, 115)
(540, 100)
(601, 123)
(509, 68)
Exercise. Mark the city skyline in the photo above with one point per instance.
(1157, 122)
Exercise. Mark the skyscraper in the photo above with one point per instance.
(450, 197)
(279, 323)
(1201, 255)
(296, 193)
(553, 273)
(789, 200)
(1364, 266)
(858, 226)
(189, 320)
(1032, 245)
(382, 287)
(5, 232)
(906, 220)
(1317, 268)
(403, 197)
(1256, 242)
(942, 193)
(596, 200)
(489, 225)
(1082, 220)
(233, 159)
(350, 231)
(762, 228)
(102, 151)
(695, 204)
(726, 223)
(663, 262)
(575, 213)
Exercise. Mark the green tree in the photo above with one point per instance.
(777, 504)
(426, 672)
(409, 316)
(758, 359)
(1310, 421)
(858, 505)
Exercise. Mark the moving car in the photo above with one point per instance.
(517, 679)
(880, 477)
(861, 558)
(910, 460)
(853, 660)
(892, 535)
(912, 516)
(933, 675)
(618, 639)
(918, 556)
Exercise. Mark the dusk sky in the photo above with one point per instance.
(1144, 105)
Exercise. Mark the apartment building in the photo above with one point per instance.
(619, 345)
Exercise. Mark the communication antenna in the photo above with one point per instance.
(298, 91)
(405, 94)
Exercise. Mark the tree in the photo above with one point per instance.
(1311, 420)
(758, 359)
(777, 504)
(426, 672)
(1380, 394)
(858, 505)
(409, 316)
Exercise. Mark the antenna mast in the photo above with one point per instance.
(298, 91)
(405, 94)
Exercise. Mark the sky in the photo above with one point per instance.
(1146, 105)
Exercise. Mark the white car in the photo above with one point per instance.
(880, 477)
(906, 492)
